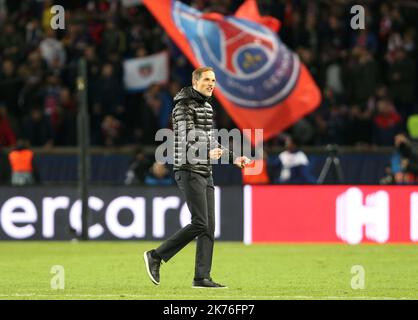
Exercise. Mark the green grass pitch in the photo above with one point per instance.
(115, 270)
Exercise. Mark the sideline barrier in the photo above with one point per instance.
(129, 213)
(350, 214)
(253, 214)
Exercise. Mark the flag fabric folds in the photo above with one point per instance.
(260, 82)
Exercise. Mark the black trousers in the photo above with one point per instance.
(200, 198)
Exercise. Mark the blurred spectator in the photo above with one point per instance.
(295, 35)
(409, 160)
(311, 35)
(401, 78)
(52, 50)
(303, 131)
(112, 131)
(160, 101)
(65, 125)
(293, 164)
(32, 73)
(330, 120)
(66, 130)
(10, 86)
(180, 67)
(75, 40)
(5, 170)
(365, 39)
(361, 76)
(409, 41)
(138, 168)
(386, 123)
(337, 124)
(359, 126)
(22, 163)
(156, 112)
(7, 136)
(385, 23)
(158, 175)
(11, 42)
(137, 39)
(66, 100)
(37, 129)
(51, 95)
(380, 93)
(93, 73)
(96, 120)
(334, 77)
(34, 34)
(332, 33)
(308, 58)
(109, 92)
(113, 39)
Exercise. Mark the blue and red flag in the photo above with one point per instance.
(261, 83)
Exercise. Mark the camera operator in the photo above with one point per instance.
(409, 160)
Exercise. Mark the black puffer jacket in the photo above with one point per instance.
(193, 124)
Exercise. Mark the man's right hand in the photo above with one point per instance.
(215, 153)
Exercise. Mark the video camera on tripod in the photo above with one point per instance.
(332, 161)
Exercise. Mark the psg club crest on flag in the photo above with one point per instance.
(261, 83)
(145, 71)
(253, 68)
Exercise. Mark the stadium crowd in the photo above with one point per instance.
(367, 77)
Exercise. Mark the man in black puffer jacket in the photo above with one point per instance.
(194, 148)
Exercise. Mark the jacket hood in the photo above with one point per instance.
(190, 93)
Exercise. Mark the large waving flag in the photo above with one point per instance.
(261, 83)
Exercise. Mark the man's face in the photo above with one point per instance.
(205, 84)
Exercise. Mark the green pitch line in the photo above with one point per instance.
(115, 270)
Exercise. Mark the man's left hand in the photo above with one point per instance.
(242, 161)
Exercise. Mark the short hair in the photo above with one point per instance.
(197, 73)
